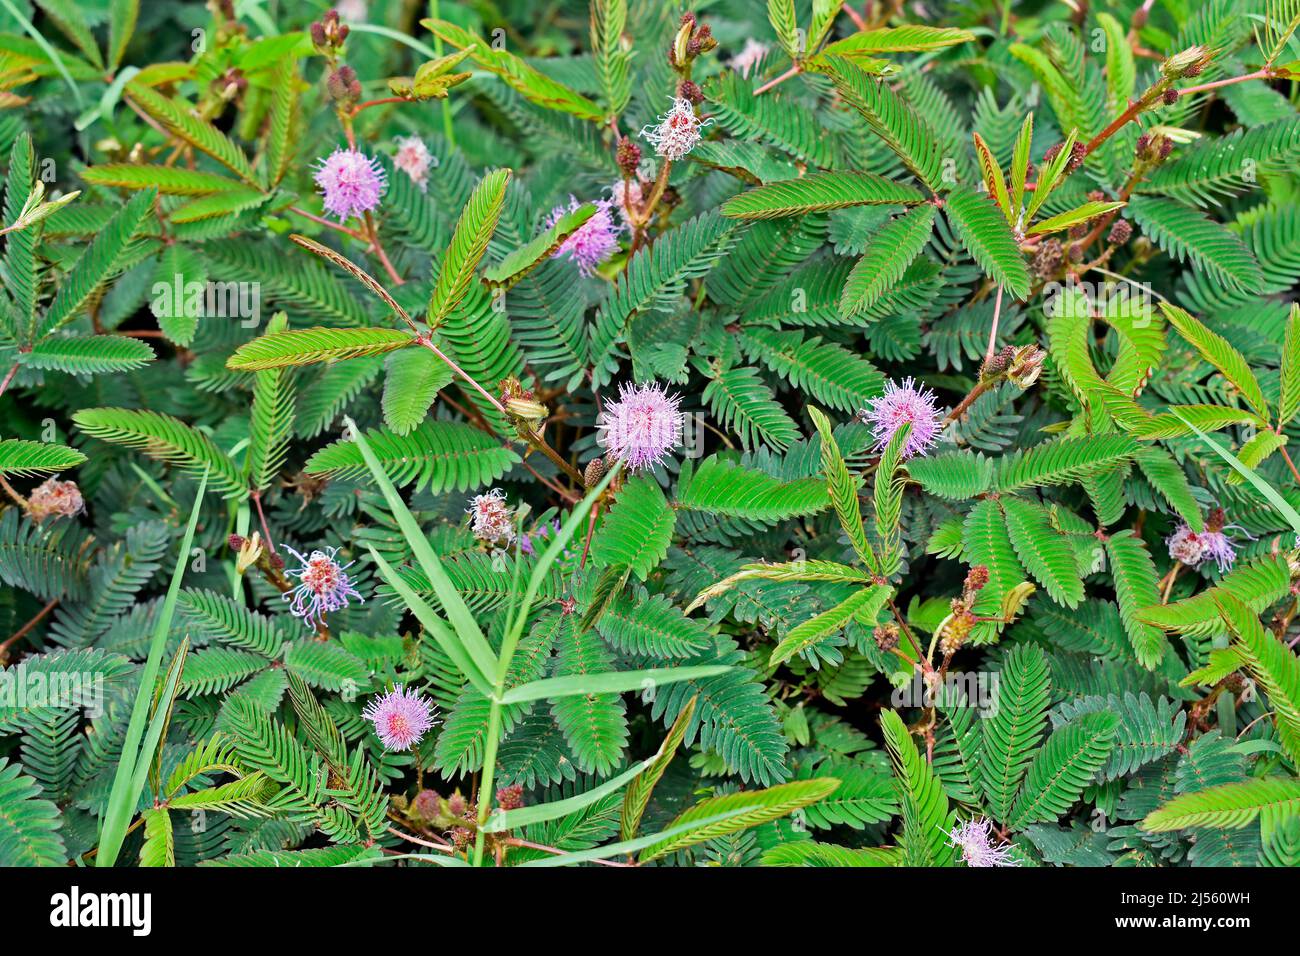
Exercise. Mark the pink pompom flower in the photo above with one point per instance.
(351, 183)
(642, 427)
(491, 519)
(414, 159)
(323, 587)
(594, 241)
(904, 404)
(974, 839)
(401, 718)
(678, 130)
(749, 57)
(1194, 548)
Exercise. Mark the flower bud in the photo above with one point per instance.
(1026, 365)
(628, 156)
(1176, 67)
(427, 805)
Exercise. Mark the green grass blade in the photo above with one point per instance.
(435, 625)
(458, 613)
(614, 682)
(1263, 487)
(123, 798)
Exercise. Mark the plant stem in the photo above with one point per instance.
(489, 770)
(979, 389)
(25, 629)
(1263, 74)
(993, 332)
(8, 378)
(19, 500)
(379, 102)
(423, 340)
(338, 227)
(378, 248)
(793, 71)
(1289, 463)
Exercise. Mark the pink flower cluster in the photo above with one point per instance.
(414, 159)
(904, 404)
(323, 586)
(678, 130)
(594, 241)
(491, 519)
(974, 839)
(401, 718)
(350, 182)
(642, 427)
(1193, 548)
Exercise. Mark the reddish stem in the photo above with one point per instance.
(793, 71)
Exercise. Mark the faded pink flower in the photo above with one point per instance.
(1219, 549)
(973, 838)
(54, 497)
(749, 57)
(594, 241)
(1194, 548)
(323, 586)
(351, 183)
(1185, 545)
(625, 195)
(492, 520)
(678, 130)
(401, 718)
(414, 159)
(642, 427)
(904, 404)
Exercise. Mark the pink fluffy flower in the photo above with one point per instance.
(414, 159)
(678, 130)
(594, 241)
(973, 838)
(401, 718)
(749, 57)
(1194, 548)
(642, 427)
(54, 497)
(351, 183)
(492, 520)
(323, 586)
(904, 404)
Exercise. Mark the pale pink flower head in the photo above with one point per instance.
(414, 159)
(351, 183)
(54, 497)
(492, 520)
(323, 586)
(749, 57)
(642, 427)
(1185, 545)
(902, 404)
(626, 195)
(401, 718)
(974, 839)
(678, 130)
(594, 241)
(1213, 544)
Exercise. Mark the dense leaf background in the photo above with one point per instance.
(1076, 223)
